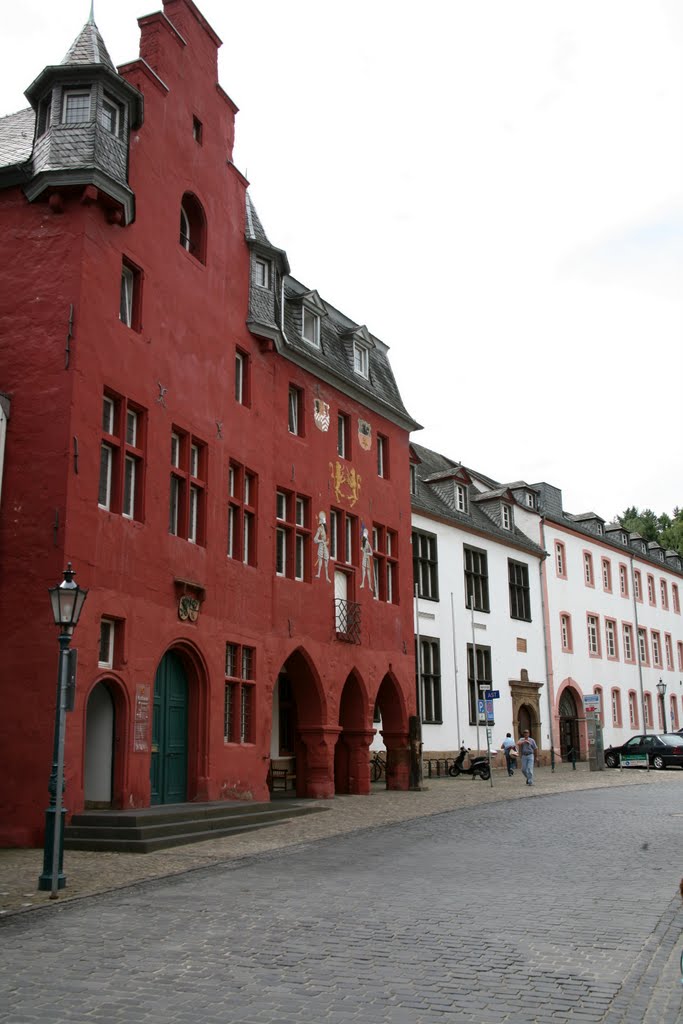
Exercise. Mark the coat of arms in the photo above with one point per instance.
(364, 435)
(321, 414)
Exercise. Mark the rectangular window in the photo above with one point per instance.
(588, 569)
(616, 708)
(669, 649)
(240, 694)
(656, 649)
(121, 457)
(335, 519)
(651, 590)
(476, 579)
(679, 647)
(642, 647)
(566, 632)
(105, 657)
(518, 581)
(44, 115)
(632, 709)
(292, 536)
(461, 499)
(76, 108)
(623, 581)
(593, 636)
(311, 328)
(647, 710)
(187, 488)
(295, 411)
(110, 115)
(483, 681)
(637, 586)
(242, 381)
(382, 457)
(665, 594)
(262, 273)
(607, 575)
(361, 360)
(430, 664)
(506, 516)
(413, 478)
(627, 633)
(611, 638)
(385, 566)
(425, 565)
(197, 130)
(560, 560)
(242, 498)
(675, 598)
(343, 436)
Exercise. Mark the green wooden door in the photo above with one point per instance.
(168, 767)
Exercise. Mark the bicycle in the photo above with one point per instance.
(377, 767)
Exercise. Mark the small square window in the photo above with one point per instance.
(311, 327)
(76, 108)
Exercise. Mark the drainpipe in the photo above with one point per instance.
(636, 642)
(546, 645)
(455, 671)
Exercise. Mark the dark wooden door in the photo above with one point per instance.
(168, 767)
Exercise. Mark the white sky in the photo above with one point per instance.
(495, 187)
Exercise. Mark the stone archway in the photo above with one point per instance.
(395, 732)
(299, 738)
(526, 707)
(104, 769)
(351, 762)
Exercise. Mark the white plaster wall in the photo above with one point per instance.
(573, 596)
(501, 633)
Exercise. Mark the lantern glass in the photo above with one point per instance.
(67, 600)
(661, 688)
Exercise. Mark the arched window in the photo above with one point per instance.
(193, 227)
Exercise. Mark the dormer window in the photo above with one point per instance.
(530, 500)
(600, 529)
(110, 116)
(76, 108)
(461, 502)
(361, 360)
(311, 327)
(506, 516)
(44, 115)
(262, 273)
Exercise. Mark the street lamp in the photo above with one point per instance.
(67, 601)
(661, 690)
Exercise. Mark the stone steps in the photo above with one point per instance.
(158, 828)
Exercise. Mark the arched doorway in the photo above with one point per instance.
(392, 710)
(300, 745)
(351, 761)
(100, 723)
(526, 720)
(569, 727)
(168, 763)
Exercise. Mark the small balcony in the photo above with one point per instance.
(347, 620)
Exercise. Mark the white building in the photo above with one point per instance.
(614, 626)
(472, 545)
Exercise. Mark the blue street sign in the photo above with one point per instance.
(489, 711)
(491, 694)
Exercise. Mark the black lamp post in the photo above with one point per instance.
(661, 690)
(67, 601)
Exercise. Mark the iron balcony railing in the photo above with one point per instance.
(347, 620)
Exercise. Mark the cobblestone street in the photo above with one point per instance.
(554, 910)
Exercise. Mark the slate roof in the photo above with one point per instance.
(333, 361)
(426, 500)
(16, 137)
(88, 48)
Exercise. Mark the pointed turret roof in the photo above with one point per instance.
(88, 47)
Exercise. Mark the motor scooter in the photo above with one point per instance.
(478, 766)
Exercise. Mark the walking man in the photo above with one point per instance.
(508, 746)
(527, 748)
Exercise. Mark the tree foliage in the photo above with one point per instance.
(666, 530)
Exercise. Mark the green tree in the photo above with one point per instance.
(666, 530)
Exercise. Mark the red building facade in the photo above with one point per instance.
(221, 454)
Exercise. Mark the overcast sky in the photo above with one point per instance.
(494, 187)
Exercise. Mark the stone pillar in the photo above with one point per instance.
(357, 743)
(319, 744)
(398, 759)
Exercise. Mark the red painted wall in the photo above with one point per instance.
(193, 317)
